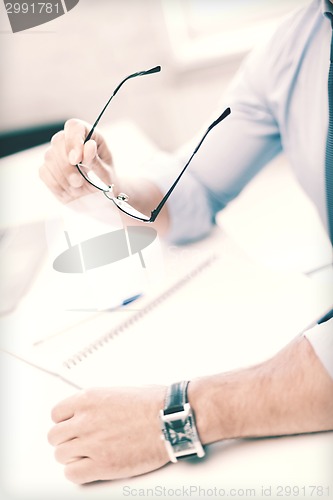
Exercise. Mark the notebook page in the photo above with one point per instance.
(53, 335)
(232, 314)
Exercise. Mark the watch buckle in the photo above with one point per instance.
(179, 415)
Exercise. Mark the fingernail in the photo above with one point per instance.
(75, 180)
(73, 157)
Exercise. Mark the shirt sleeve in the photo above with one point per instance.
(321, 339)
(233, 152)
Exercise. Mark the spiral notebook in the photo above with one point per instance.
(219, 312)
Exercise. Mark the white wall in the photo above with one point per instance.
(70, 66)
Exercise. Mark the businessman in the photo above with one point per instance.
(281, 99)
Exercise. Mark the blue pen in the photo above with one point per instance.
(131, 299)
(326, 317)
(125, 302)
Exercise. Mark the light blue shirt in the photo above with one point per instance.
(279, 102)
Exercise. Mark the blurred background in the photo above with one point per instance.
(70, 66)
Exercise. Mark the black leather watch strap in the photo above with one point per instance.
(176, 397)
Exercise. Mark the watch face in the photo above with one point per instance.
(180, 435)
(179, 432)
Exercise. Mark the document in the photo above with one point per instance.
(215, 310)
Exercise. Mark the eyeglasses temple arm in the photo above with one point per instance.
(157, 210)
(156, 69)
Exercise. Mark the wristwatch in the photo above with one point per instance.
(178, 424)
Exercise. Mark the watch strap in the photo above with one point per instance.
(176, 397)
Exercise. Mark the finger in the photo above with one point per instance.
(49, 179)
(67, 452)
(75, 133)
(56, 162)
(51, 172)
(75, 180)
(61, 433)
(93, 161)
(65, 409)
(62, 178)
(82, 471)
(90, 153)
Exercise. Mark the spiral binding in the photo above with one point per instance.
(80, 356)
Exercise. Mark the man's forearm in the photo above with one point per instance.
(289, 394)
(102, 433)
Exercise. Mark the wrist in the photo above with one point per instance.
(200, 398)
(212, 399)
(179, 431)
(144, 196)
(156, 400)
(230, 405)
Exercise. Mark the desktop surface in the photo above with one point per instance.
(298, 466)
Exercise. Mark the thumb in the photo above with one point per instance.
(75, 133)
(93, 163)
(90, 158)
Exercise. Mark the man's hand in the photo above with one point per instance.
(66, 150)
(60, 175)
(109, 433)
(115, 432)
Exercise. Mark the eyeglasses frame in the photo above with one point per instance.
(122, 198)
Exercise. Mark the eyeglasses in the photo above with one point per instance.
(121, 200)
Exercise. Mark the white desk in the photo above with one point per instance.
(254, 468)
(30, 471)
